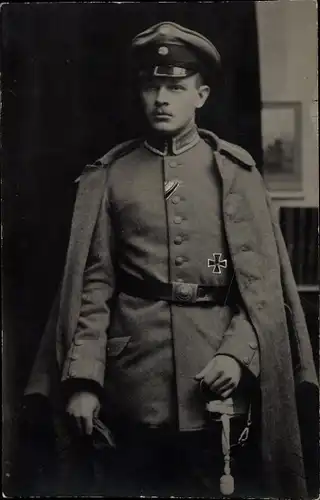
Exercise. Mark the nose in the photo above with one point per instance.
(162, 96)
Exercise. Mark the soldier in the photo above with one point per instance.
(175, 293)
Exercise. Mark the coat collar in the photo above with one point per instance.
(222, 150)
(226, 169)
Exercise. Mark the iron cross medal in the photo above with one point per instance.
(216, 263)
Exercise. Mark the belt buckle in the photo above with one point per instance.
(184, 292)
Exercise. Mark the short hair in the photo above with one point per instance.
(200, 79)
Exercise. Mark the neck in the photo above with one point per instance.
(164, 144)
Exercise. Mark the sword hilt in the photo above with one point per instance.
(222, 411)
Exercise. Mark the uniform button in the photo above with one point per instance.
(261, 305)
(245, 248)
(179, 261)
(253, 345)
(177, 219)
(246, 361)
(176, 199)
(78, 342)
(178, 240)
(230, 210)
(173, 164)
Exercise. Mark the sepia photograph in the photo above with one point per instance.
(160, 277)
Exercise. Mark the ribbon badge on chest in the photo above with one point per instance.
(217, 263)
(170, 187)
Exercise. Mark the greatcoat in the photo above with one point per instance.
(266, 284)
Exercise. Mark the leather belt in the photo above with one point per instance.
(180, 292)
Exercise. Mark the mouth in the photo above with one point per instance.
(161, 114)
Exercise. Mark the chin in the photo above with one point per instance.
(165, 128)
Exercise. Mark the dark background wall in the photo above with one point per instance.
(65, 103)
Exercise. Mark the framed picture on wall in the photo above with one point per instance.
(281, 140)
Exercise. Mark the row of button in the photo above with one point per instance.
(177, 219)
(178, 239)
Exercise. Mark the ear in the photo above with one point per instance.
(203, 94)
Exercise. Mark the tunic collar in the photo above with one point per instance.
(175, 145)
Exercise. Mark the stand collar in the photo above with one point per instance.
(175, 145)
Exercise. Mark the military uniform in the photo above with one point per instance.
(161, 219)
(175, 257)
(160, 222)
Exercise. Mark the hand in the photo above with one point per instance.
(82, 407)
(222, 375)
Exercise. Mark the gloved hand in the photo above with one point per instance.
(221, 375)
(82, 407)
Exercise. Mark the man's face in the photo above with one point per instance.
(170, 103)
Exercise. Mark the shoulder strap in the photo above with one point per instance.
(118, 151)
(232, 151)
(112, 155)
(237, 154)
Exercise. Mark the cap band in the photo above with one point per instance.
(167, 72)
(173, 71)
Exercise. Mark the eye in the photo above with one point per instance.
(176, 87)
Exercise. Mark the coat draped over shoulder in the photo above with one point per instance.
(266, 283)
